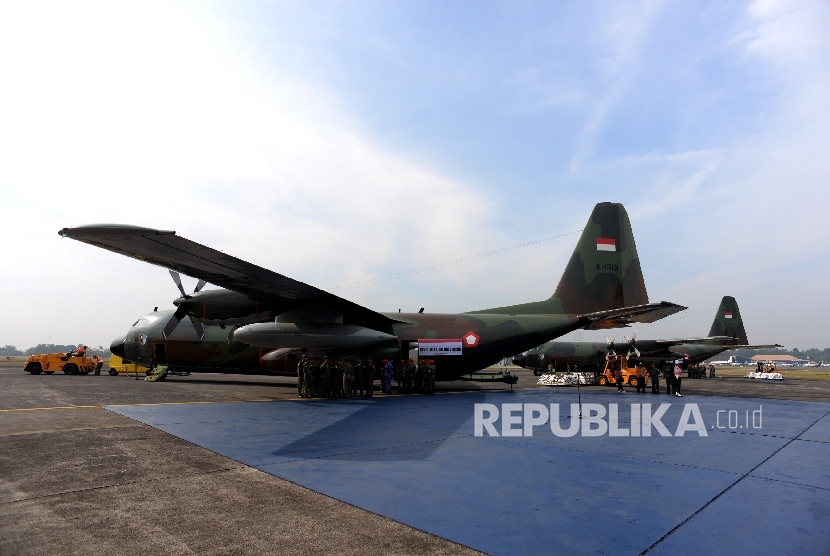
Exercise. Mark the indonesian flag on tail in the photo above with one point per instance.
(727, 315)
(606, 244)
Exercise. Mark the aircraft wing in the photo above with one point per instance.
(165, 248)
(725, 341)
(767, 346)
(624, 316)
(652, 346)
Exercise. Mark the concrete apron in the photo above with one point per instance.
(416, 460)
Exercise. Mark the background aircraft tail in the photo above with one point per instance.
(728, 321)
(603, 273)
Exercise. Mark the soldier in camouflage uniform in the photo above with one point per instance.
(357, 384)
(300, 374)
(654, 375)
(308, 378)
(369, 377)
(348, 374)
(409, 376)
(429, 377)
(399, 374)
(337, 377)
(325, 374)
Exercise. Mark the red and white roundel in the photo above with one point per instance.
(471, 339)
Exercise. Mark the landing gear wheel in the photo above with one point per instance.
(113, 372)
(35, 368)
(70, 369)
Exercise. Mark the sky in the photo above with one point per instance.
(339, 142)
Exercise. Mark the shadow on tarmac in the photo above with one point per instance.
(410, 432)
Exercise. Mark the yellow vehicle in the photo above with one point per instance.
(68, 363)
(629, 372)
(117, 366)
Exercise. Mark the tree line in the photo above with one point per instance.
(8, 350)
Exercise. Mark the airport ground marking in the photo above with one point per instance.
(48, 408)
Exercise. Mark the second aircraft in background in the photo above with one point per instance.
(727, 333)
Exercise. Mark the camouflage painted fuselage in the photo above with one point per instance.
(498, 335)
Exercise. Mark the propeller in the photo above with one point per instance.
(610, 344)
(182, 309)
(632, 345)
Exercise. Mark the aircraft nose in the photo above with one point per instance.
(520, 360)
(117, 347)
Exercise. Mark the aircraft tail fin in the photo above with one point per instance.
(728, 321)
(603, 272)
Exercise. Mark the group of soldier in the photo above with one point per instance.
(338, 377)
(335, 377)
(418, 378)
(700, 371)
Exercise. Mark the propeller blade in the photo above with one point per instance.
(634, 336)
(637, 352)
(174, 321)
(177, 279)
(200, 331)
(199, 286)
(627, 339)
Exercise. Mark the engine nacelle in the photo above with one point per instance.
(310, 335)
(225, 307)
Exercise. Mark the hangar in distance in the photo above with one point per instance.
(260, 320)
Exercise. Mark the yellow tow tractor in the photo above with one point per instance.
(629, 372)
(69, 363)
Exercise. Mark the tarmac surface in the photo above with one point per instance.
(182, 466)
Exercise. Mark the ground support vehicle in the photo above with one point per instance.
(69, 364)
(629, 371)
(117, 366)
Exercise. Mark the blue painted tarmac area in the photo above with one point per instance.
(416, 460)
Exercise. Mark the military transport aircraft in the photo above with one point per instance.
(727, 333)
(260, 319)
